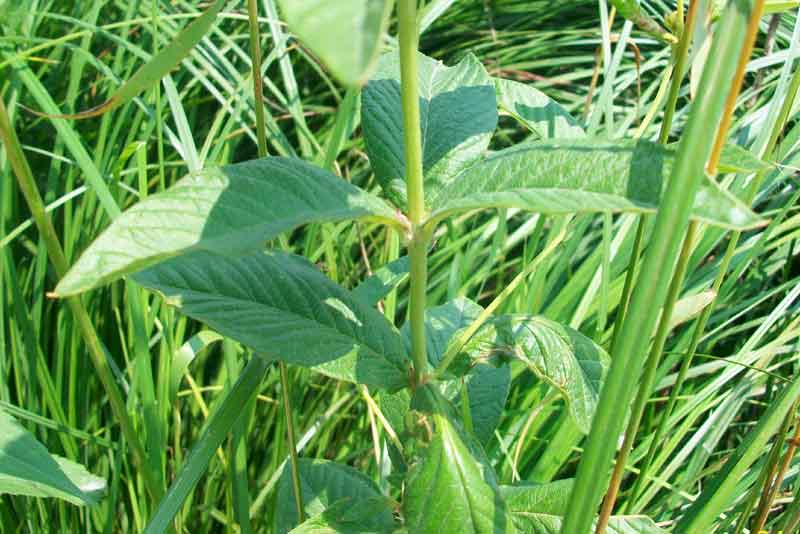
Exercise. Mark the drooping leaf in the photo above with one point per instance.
(559, 355)
(449, 490)
(323, 485)
(542, 115)
(458, 115)
(345, 35)
(540, 509)
(350, 517)
(160, 64)
(282, 306)
(26, 468)
(382, 281)
(582, 176)
(229, 210)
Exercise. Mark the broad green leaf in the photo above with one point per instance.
(487, 390)
(382, 281)
(229, 210)
(283, 307)
(345, 35)
(538, 112)
(449, 490)
(323, 485)
(559, 355)
(160, 64)
(458, 115)
(584, 176)
(26, 468)
(540, 509)
(487, 386)
(735, 159)
(350, 517)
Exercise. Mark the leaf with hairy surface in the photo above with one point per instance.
(466, 495)
(230, 210)
(283, 307)
(458, 115)
(582, 176)
(538, 112)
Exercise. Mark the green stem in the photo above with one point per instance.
(261, 137)
(412, 135)
(30, 191)
(651, 291)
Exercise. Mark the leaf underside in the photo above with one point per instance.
(230, 210)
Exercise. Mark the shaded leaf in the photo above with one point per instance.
(229, 210)
(382, 281)
(582, 176)
(26, 468)
(466, 496)
(345, 35)
(349, 517)
(282, 306)
(458, 115)
(323, 485)
(540, 509)
(559, 355)
(542, 115)
(487, 390)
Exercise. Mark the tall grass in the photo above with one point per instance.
(69, 56)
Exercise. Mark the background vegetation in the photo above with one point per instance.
(71, 55)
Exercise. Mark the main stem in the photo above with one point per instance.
(418, 244)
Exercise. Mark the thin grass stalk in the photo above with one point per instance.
(412, 135)
(702, 321)
(30, 191)
(774, 483)
(261, 136)
(651, 289)
(679, 58)
(648, 380)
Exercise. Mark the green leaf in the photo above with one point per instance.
(350, 517)
(487, 390)
(14, 13)
(540, 509)
(632, 10)
(538, 112)
(160, 64)
(229, 210)
(449, 490)
(585, 176)
(778, 6)
(26, 468)
(735, 159)
(283, 307)
(382, 281)
(345, 35)
(458, 115)
(323, 485)
(559, 355)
